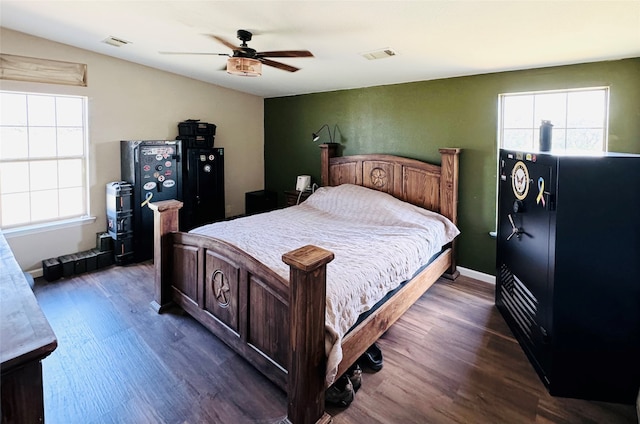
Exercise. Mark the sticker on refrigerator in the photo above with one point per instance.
(520, 180)
(150, 185)
(169, 183)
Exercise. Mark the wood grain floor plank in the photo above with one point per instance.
(450, 359)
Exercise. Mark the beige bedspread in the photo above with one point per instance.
(378, 242)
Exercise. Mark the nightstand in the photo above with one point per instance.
(260, 201)
(291, 197)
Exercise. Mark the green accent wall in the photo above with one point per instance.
(416, 119)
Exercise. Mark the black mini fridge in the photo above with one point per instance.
(568, 269)
(153, 168)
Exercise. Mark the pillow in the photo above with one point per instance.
(361, 204)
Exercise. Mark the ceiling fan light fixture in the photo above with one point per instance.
(244, 66)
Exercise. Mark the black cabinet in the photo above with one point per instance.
(152, 167)
(260, 201)
(295, 197)
(568, 269)
(165, 169)
(202, 187)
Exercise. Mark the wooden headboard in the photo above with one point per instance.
(433, 187)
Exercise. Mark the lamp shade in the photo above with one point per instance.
(244, 66)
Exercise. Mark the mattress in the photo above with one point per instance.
(378, 242)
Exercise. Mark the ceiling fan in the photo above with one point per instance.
(246, 61)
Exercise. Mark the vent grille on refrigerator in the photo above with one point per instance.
(519, 301)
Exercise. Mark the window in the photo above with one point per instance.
(579, 118)
(43, 159)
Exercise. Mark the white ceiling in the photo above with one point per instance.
(432, 39)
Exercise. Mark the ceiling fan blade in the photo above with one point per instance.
(279, 65)
(198, 53)
(225, 42)
(286, 53)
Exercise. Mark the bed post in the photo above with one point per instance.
(449, 198)
(328, 151)
(307, 357)
(165, 220)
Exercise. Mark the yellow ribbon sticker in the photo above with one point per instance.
(147, 199)
(540, 197)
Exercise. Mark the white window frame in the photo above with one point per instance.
(560, 129)
(59, 221)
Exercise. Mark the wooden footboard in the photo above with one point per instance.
(275, 324)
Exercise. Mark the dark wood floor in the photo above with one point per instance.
(450, 359)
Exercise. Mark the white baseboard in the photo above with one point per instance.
(487, 278)
(467, 272)
(35, 273)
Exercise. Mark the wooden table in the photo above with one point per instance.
(26, 338)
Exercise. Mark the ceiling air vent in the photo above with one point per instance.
(116, 42)
(379, 54)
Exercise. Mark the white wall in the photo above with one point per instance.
(133, 102)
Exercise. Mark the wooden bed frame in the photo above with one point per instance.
(278, 325)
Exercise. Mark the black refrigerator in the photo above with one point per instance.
(154, 169)
(568, 269)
